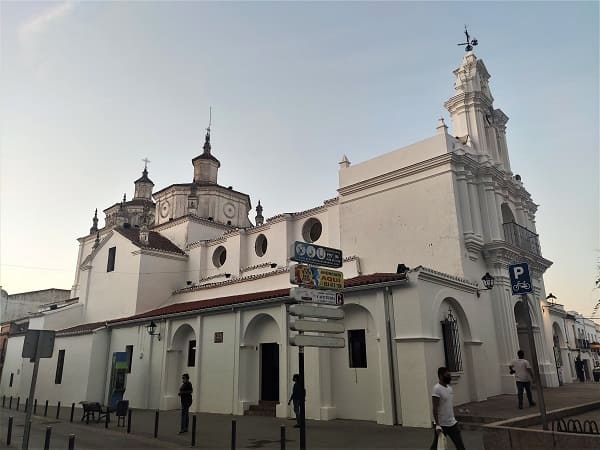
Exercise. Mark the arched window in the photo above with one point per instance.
(507, 214)
(451, 343)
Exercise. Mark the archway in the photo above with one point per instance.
(507, 214)
(355, 369)
(181, 358)
(260, 362)
(558, 343)
(452, 325)
(522, 326)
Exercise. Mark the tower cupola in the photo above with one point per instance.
(206, 165)
(143, 185)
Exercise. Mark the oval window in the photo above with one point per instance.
(219, 256)
(311, 231)
(260, 246)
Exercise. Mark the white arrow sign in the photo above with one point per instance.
(304, 340)
(320, 327)
(322, 312)
(317, 296)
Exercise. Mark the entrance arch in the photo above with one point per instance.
(259, 361)
(521, 320)
(181, 358)
(558, 343)
(355, 369)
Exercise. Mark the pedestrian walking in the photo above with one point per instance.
(297, 397)
(442, 398)
(579, 369)
(185, 393)
(523, 376)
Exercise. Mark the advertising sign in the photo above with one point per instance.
(316, 277)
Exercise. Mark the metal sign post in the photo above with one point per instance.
(38, 344)
(536, 366)
(520, 284)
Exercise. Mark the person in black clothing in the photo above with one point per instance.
(298, 395)
(185, 393)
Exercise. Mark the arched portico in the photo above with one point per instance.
(260, 361)
(181, 358)
(355, 369)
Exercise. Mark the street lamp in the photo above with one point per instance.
(151, 328)
(551, 297)
(488, 283)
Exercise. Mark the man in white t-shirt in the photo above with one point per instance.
(443, 410)
(523, 376)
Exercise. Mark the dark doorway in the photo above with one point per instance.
(269, 372)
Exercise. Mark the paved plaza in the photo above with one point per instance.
(214, 430)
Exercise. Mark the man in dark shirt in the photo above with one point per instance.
(298, 395)
(185, 393)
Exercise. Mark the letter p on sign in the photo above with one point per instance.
(520, 279)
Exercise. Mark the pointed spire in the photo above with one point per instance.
(207, 136)
(259, 217)
(97, 241)
(124, 198)
(94, 228)
(344, 163)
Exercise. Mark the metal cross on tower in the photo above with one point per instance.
(145, 161)
(470, 43)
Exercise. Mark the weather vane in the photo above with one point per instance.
(470, 43)
(209, 118)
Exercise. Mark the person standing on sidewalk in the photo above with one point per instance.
(523, 376)
(298, 395)
(442, 398)
(185, 393)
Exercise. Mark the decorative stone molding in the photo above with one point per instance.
(230, 281)
(257, 266)
(444, 279)
(474, 244)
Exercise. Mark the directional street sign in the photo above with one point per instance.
(316, 277)
(321, 312)
(38, 343)
(317, 326)
(303, 252)
(317, 296)
(520, 279)
(304, 340)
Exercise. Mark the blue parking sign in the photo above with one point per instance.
(520, 279)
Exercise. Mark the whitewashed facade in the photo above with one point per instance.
(448, 207)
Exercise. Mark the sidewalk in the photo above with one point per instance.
(214, 431)
(505, 406)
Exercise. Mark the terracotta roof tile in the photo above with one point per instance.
(80, 329)
(156, 240)
(254, 296)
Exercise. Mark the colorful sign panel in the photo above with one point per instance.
(316, 277)
(304, 252)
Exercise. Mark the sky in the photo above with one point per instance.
(89, 89)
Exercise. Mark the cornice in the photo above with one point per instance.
(256, 266)
(278, 271)
(160, 253)
(413, 169)
(444, 279)
(501, 254)
(191, 218)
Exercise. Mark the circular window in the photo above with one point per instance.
(311, 231)
(260, 246)
(219, 256)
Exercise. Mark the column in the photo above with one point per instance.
(475, 208)
(464, 203)
(492, 211)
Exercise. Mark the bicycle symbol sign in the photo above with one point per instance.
(520, 279)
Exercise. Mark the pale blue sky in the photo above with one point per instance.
(89, 89)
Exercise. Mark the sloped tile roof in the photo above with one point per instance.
(80, 329)
(156, 240)
(253, 296)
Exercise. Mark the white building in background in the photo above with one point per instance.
(217, 286)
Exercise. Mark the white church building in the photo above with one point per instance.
(418, 227)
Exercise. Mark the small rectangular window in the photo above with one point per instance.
(59, 367)
(357, 349)
(192, 354)
(129, 350)
(12, 377)
(112, 253)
